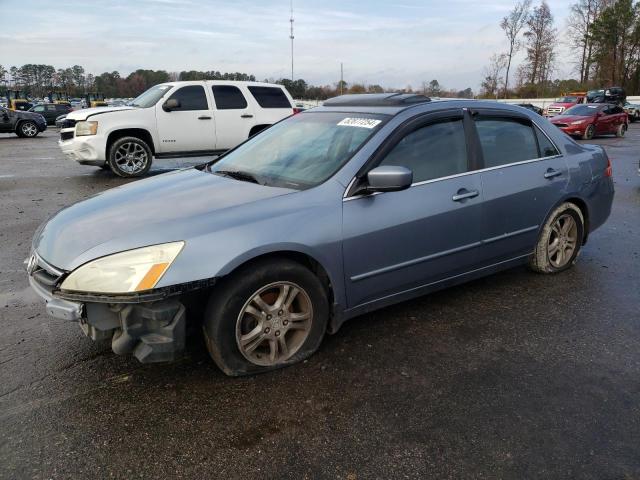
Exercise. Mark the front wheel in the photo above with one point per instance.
(589, 132)
(267, 315)
(621, 130)
(27, 129)
(560, 240)
(130, 157)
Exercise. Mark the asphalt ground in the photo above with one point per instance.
(517, 375)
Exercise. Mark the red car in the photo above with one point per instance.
(592, 119)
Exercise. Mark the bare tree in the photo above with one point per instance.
(540, 43)
(512, 25)
(493, 75)
(582, 15)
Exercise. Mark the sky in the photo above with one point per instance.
(394, 43)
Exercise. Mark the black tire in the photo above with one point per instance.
(621, 130)
(27, 129)
(136, 166)
(541, 260)
(589, 132)
(230, 297)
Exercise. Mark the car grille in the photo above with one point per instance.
(555, 110)
(68, 123)
(66, 135)
(44, 274)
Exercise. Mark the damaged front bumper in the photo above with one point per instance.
(151, 325)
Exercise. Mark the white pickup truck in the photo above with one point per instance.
(172, 120)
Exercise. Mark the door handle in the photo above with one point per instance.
(204, 117)
(463, 194)
(246, 115)
(551, 173)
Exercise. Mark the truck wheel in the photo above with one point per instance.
(589, 132)
(130, 157)
(27, 129)
(560, 240)
(266, 315)
(621, 130)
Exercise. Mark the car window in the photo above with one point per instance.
(228, 97)
(433, 151)
(191, 97)
(270, 97)
(547, 149)
(505, 140)
(617, 109)
(50, 108)
(39, 108)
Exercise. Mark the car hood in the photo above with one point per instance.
(85, 112)
(568, 118)
(170, 207)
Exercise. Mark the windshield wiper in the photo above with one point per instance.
(239, 175)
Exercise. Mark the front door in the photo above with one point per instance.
(398, 241)
(524, 176)
(234, 116)
(189, 128)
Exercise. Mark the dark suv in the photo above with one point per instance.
(51, 111)
(23, 124)
(615, 95)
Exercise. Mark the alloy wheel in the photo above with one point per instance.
(563, 240)
(131, 158)
(274, 323)
(29, 129)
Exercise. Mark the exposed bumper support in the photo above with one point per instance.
(57, 307)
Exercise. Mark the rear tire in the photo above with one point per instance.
(621, 130)
(266, 315)
(589, 132)
(560, 240)
(129, 157)
(27, 129)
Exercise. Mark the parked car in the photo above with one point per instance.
(532, 107)
(563, 103)
(362, 203)
(593, 119)
(23, 124)
(173, 119)
(51, 111)
(633, 111)
(615, 95)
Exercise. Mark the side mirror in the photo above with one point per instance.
(389, 178)
(171, 104)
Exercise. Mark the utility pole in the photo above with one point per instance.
(291, 37)
(341, 78)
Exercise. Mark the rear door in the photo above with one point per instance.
(234, 116)
(6, 125)
(398, 241)
(524, 175)
(188, 128)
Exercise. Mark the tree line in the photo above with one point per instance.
(603, 37)
(38, 80)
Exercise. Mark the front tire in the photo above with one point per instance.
(560, 240)
(27, 129)
(589, 132)
(129, 157)
(266, 315)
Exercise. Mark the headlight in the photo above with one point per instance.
(86, 128)
(125, 272)
(578, 122)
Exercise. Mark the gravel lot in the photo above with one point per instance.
(514, 376)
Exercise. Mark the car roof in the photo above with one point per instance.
(224, 82)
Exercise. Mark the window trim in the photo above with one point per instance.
(347, 196)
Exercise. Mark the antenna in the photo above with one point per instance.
(291, 37)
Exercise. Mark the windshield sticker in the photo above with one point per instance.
(359, 122)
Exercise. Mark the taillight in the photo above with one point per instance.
(608, 172)
(296, 110)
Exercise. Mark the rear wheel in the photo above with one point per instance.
(621, 130)
(589, 132)
(267, 315)
(129, 157)
(560, 240)
(27, 129)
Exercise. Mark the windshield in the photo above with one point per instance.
(582, 110)
(150, 97)
(301, 151)
(568, 100)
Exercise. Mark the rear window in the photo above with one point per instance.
(228, 97)
(270, 97)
